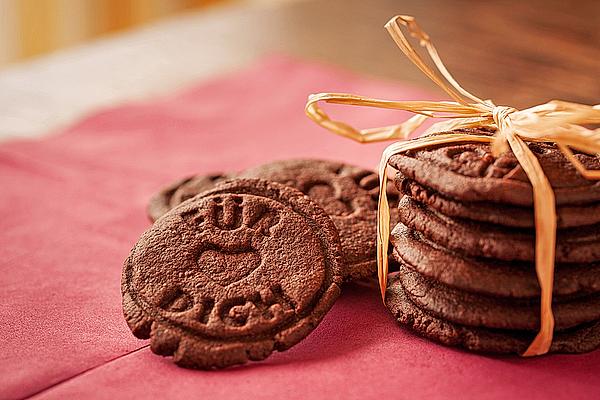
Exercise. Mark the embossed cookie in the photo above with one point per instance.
(349, 196)
(493, 312)
(469, 172)
(582, 339)
(501, 214)
(487, 276)
(575, 245)
(180, 191)
(232, 275)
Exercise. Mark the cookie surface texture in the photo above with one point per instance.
(232, 275)
(469, 172)
(349, 196)
(180, 191)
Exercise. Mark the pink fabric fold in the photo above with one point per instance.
(73, 204)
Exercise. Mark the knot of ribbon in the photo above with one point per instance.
(558, 122)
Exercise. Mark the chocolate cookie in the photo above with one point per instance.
(349, 196)
(469, 172)
(486, 276)
(501, 214)
(493, 312)
(579, 340)
(232, 274)
(178, 192)
(574, 245)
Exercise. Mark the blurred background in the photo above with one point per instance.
(33, 27)
(61, 59)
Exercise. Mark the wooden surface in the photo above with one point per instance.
(32, 27)
(516, 52)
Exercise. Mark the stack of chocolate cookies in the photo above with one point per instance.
(465, 244)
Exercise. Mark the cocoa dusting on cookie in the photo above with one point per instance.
(180, 191)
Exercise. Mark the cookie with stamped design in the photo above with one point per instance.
(180, 191)
(232, 275)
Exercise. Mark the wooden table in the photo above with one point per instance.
(515, 52)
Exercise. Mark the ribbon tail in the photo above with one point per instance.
(383, 227)
(545, 240)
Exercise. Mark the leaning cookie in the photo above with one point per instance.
(232, 275)
(579, 340)
(180, 191)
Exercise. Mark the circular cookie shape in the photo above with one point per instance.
(232, 275)
(469, 172)
(180, 191)
(348, 194)
(501, 214)
(493, 312)
(579, 340)
(487, 276)
(574, 245)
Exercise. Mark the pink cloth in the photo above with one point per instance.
(73, 204)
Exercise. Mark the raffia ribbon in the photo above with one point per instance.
(556, 122)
